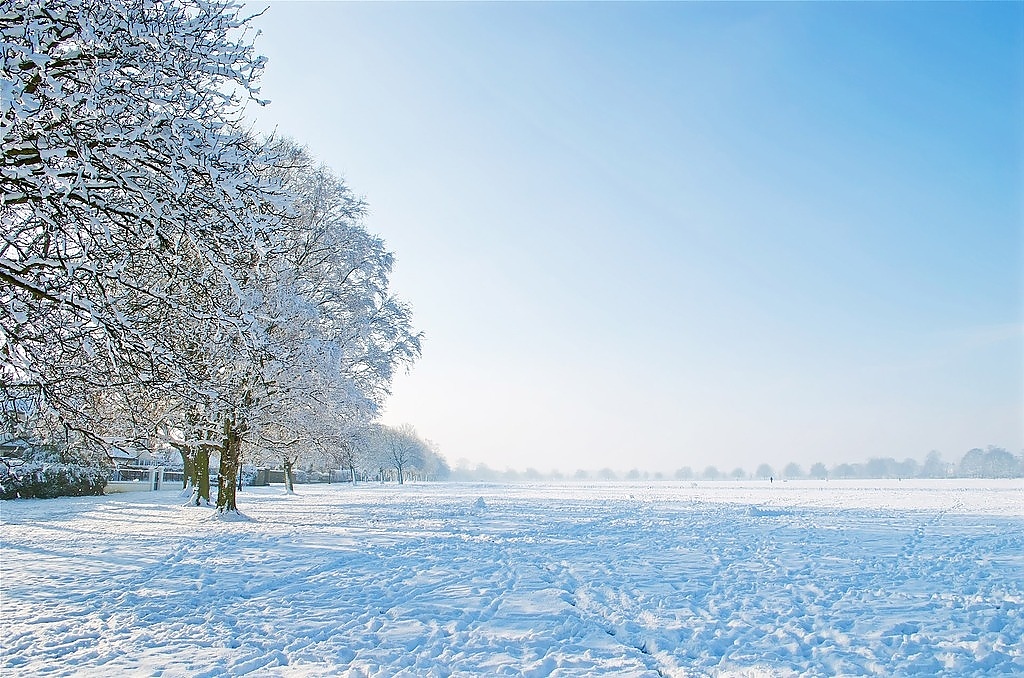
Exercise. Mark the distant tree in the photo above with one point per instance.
(532, 474)
(972, 465)
(792, 471)
(711, 473)
(484, 473)
(435, 467)
(581, 474)
(881, 467)
(346, 455)
(1002, 464)
(397, 449)
(738, 474)
(633, 474)
(684, 473)
(908, 468)
(606, 474)
(818, 471)
(933, 466)
(764, 471)
(846, 471)
(995, 462)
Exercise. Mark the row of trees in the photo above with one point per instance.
(163, 272)
(381, 452)
(993, 462)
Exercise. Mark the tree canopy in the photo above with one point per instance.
(162, 271)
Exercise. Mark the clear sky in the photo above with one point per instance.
(655, 235)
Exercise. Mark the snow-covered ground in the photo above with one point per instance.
(671, 579)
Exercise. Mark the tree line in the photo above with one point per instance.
(992, 462)
(378, 452)
(166, 276)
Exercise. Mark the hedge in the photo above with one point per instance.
(46, 481)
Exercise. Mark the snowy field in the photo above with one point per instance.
(671, 579)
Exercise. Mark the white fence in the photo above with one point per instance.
(137, 480)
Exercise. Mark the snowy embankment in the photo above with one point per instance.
(809, 578)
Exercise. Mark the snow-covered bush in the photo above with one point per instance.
(46, 481)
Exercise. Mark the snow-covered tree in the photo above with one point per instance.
(397, 448)
(334, 333)
(346, 454)
(132, 203)
(161, 270)
(435, 467)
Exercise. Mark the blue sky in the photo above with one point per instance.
(658, 235)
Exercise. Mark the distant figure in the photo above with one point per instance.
(771, 480)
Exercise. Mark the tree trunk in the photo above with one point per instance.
(227, 473)
(289, 478)
(188, 466)
(352, 471)
(401, 478)
(201, 477)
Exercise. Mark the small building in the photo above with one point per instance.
(132, 457)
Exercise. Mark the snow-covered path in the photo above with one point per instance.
(912, 578)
